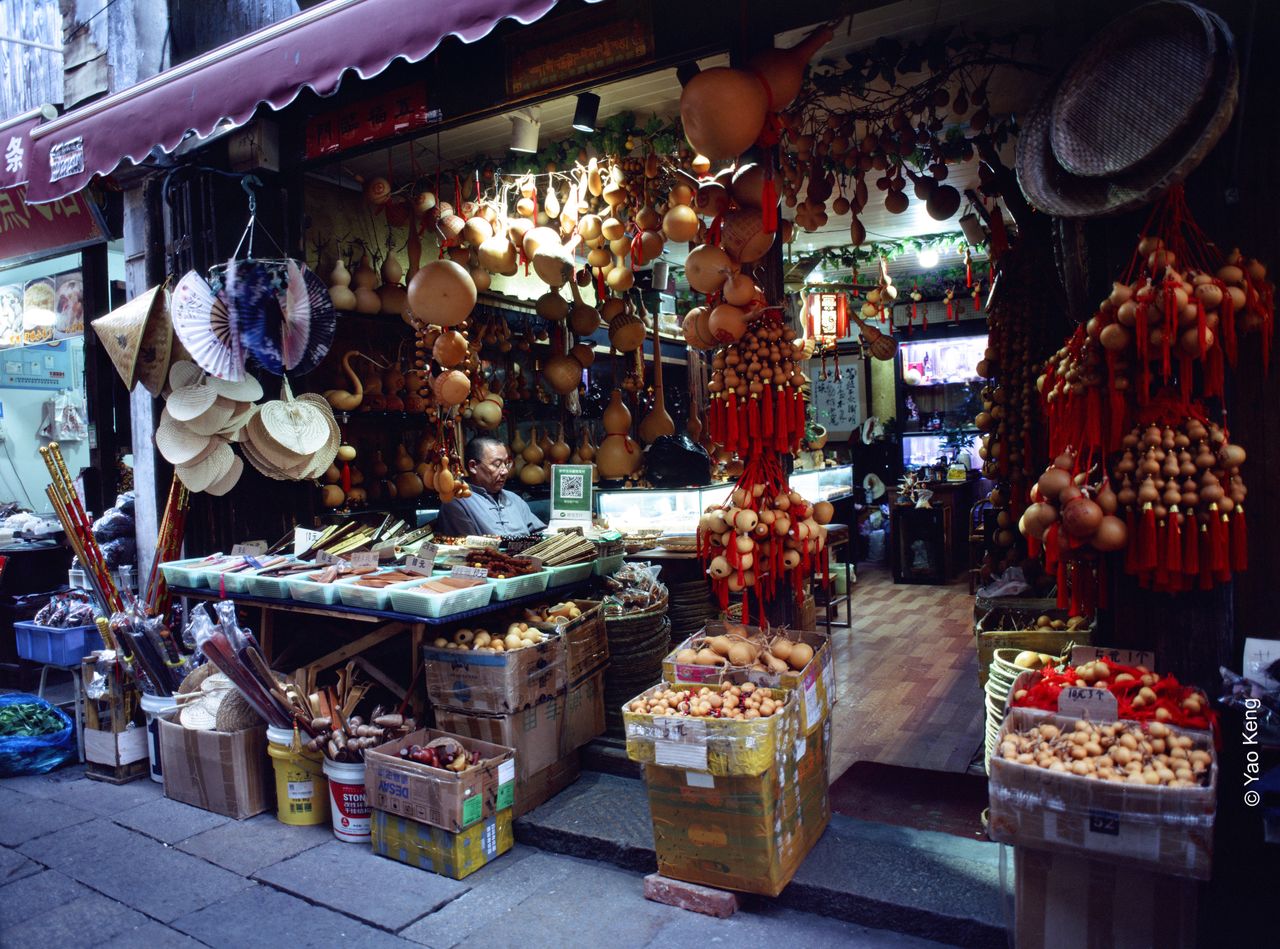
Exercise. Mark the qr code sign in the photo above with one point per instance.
(571, 487)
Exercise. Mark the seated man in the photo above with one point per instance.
(490, 509)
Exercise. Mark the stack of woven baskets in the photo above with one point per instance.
(638, 642)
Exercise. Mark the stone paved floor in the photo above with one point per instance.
(86, 862)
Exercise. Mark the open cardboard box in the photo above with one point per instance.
(227, 773)
(1163, 830)
(494, 683)
(586, 644)
(445, 799)
(815, 683)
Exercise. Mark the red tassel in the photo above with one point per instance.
(1239, 540)
(1051, 549)
(1190, 547)
(1206, 557)
(731, 420)
(1147, 545)
(1161, 580)
(1221, 544)
(797, 420)
(769, 208)
(1173, 548)
(753, 420)
(766, 414)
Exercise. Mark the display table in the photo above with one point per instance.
(387, 624)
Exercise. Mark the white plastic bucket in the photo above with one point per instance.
(154, 705)
(348, 805)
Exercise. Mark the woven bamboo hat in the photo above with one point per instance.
(124, 329)
(1087, 121)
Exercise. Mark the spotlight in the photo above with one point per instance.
(815, 276)
(524, 131)
(584, 116)
(928, 258)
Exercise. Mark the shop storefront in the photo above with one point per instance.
(557, 419)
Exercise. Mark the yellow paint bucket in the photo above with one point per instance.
(302, 790)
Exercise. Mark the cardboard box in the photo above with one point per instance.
(748, 833)
(586, 645)
(1163, 830)
(228, 773)
(816, 682)
(813, 770)
(547, 783)
(494, 683)
(1063, 901)
(431, 848)
(451, 801)
(722, 746)
(540, 735)
(1018, 612)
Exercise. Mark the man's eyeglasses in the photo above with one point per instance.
(500, 464)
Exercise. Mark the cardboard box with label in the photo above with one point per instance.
(1063, 901)
(815, 683)
(432, 848)
(227, 773)
(494, 683)
(1161, 829)
(586, 644)
(721, 746)
(542, 735)
(445, 799)
(748, 833)
(547, 783)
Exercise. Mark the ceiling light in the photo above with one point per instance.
(815, 276)
(584, 116)
(927, 258)
(524, 131)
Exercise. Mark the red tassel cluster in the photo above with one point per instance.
(771, 421)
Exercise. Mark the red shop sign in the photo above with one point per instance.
(29, 230)
(384, 116)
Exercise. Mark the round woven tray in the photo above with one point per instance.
(1052, 189)
(1141, 81)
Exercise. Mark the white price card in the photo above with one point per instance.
(1097, 705)
(325, 557)
(1124, 657)
(419, 564)
(464, 571)
(675, 754)
(477, 540)
(365, 558)
(250, 549)
(303, 538)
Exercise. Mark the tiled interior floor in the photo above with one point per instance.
(908, 675)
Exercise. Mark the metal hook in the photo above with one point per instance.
(248, 183)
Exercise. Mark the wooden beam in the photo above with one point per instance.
(367, 641)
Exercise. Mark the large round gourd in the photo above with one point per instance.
(707, 268)
(442, 292)
(723, 111)
(562, 373)
(618, 457)
(744, 237)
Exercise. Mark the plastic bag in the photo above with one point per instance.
(22, 753)
(112, 525)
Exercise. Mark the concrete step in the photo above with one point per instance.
(927, 884)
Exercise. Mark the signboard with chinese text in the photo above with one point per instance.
(384, 116)
(34, 230)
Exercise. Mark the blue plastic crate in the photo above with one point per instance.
(56, 647)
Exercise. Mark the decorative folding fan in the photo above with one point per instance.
(256, 313)
(322, 323)
(203, 324)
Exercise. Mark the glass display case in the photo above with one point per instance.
(677, 509)
(939, 394)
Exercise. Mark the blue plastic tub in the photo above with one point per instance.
(56, 647)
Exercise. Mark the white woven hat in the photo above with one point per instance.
(213, 419)
(229, 480)
(177, 443)
(189, 402)
(199, 476)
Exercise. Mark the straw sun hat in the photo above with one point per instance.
(1134, 115)
(138, 338)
